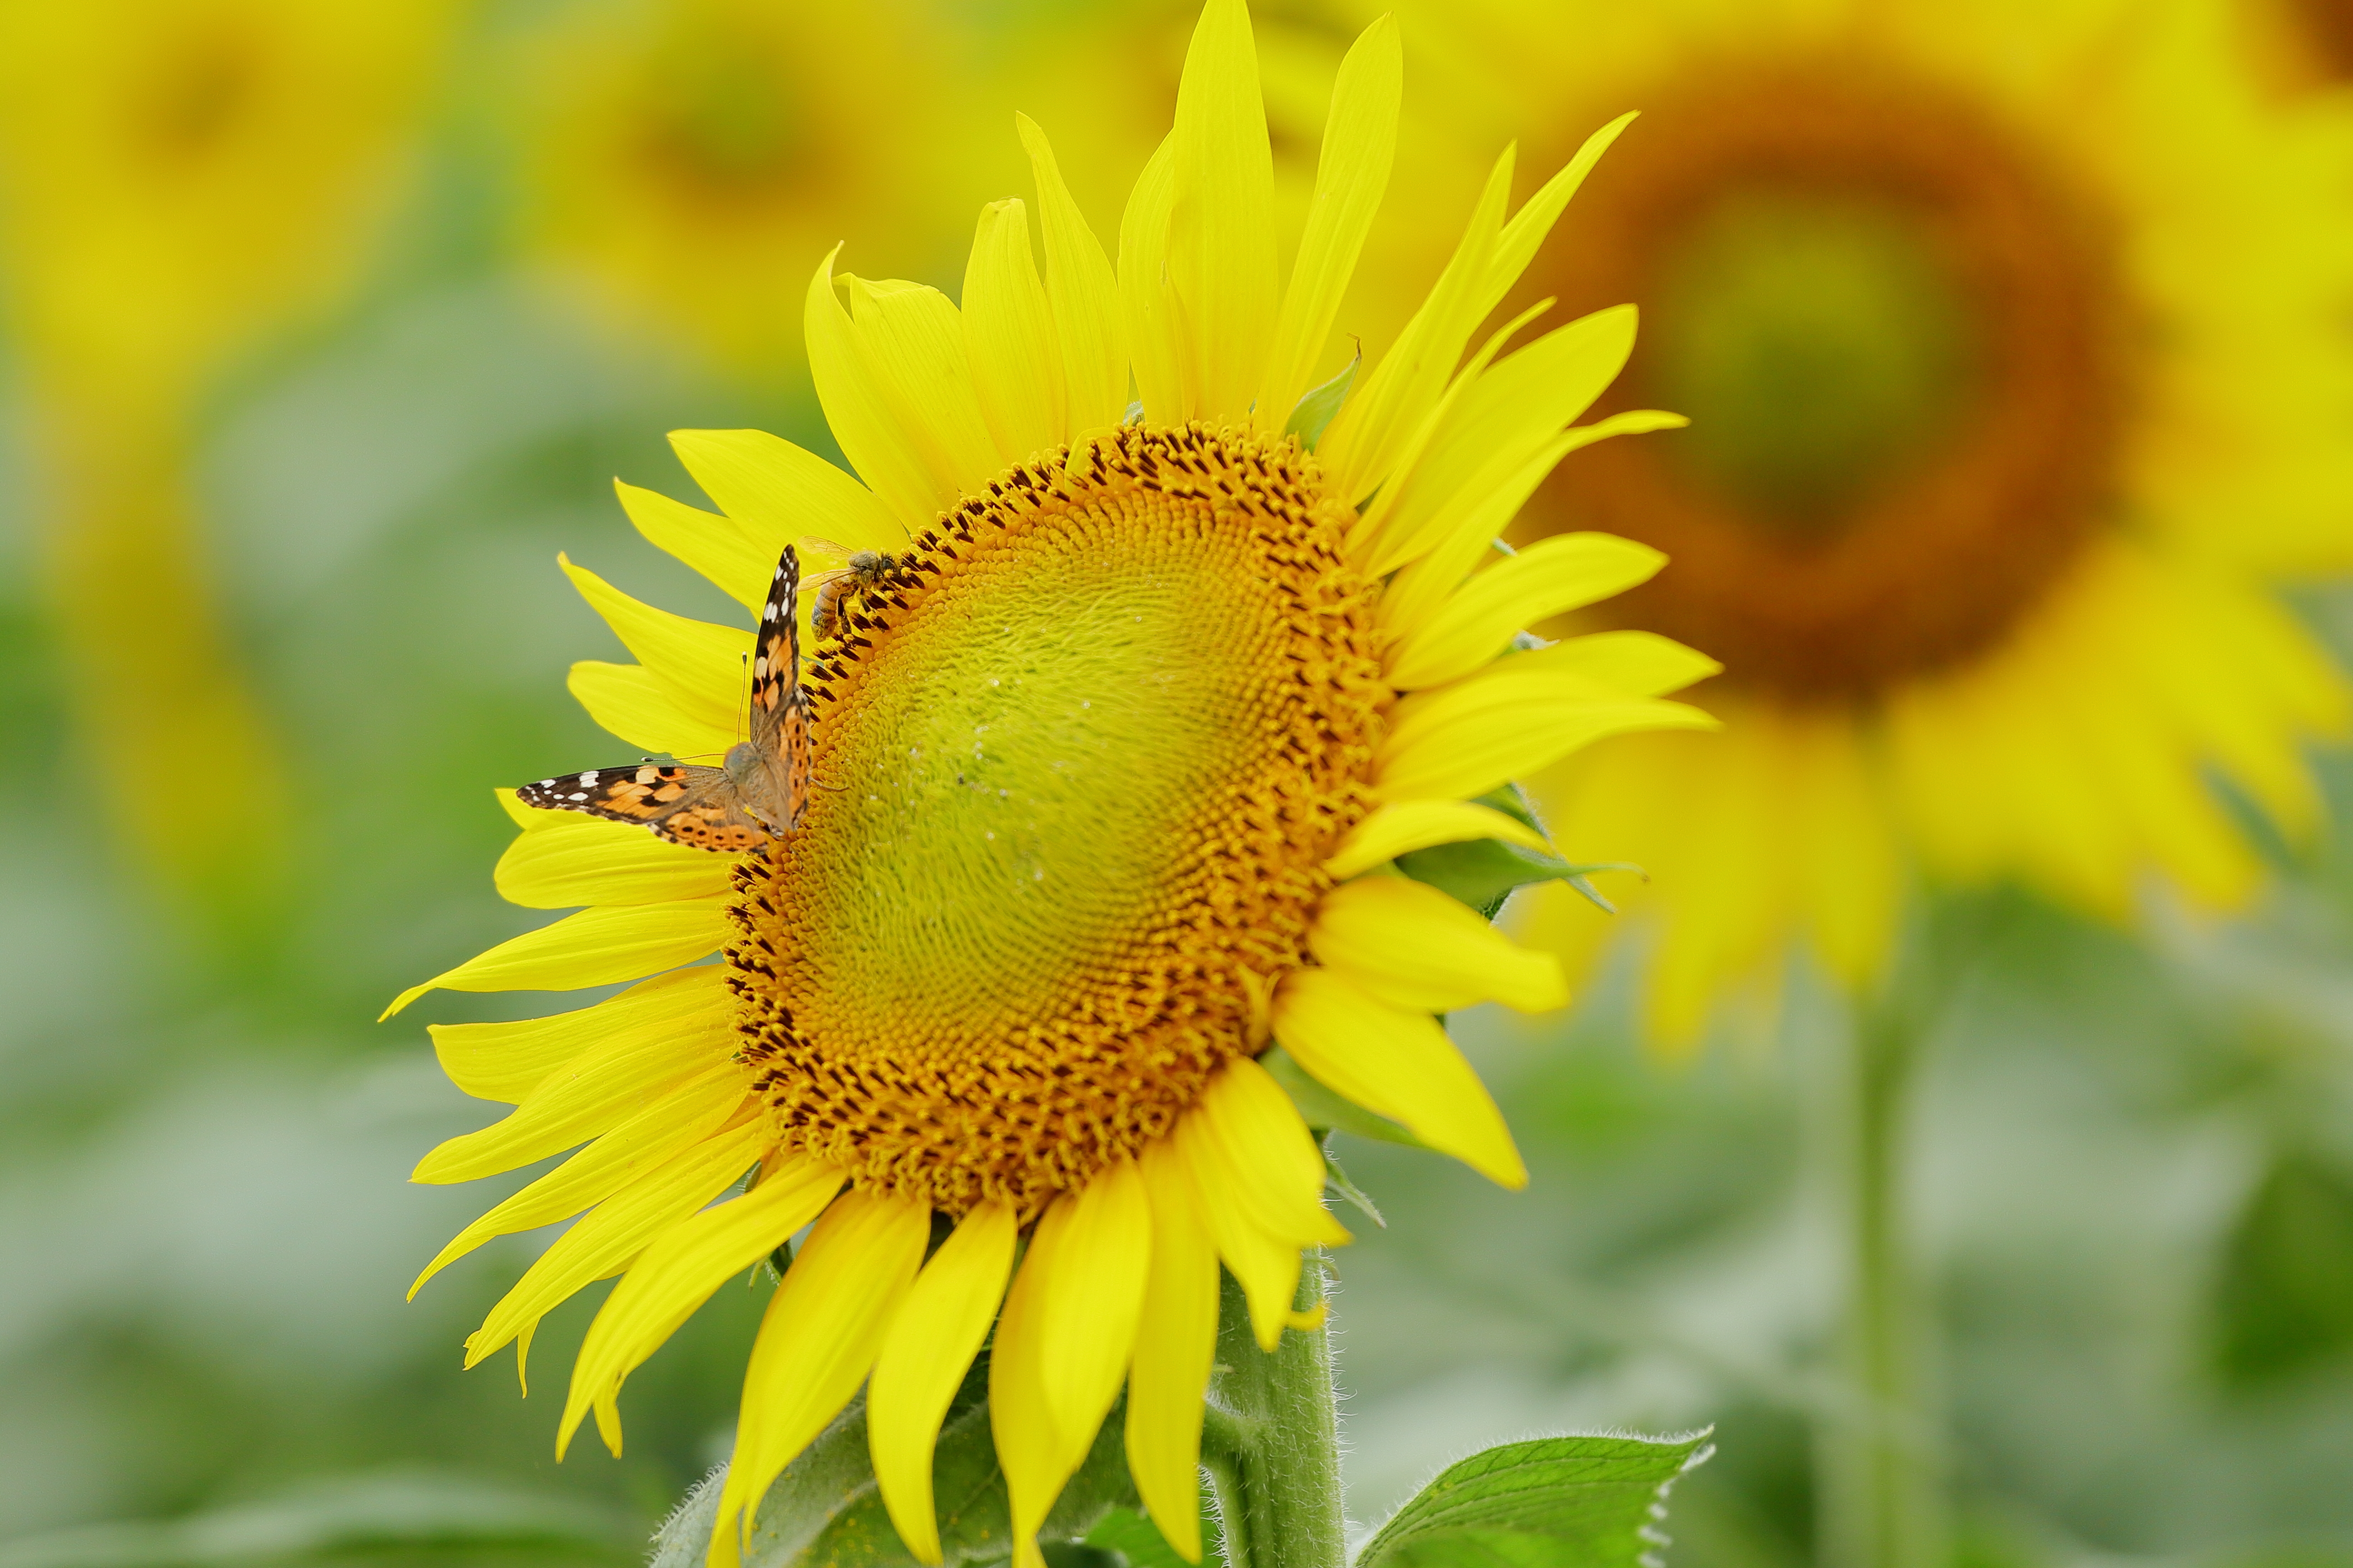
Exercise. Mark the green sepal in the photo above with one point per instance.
(825, 1508)
(1337, 1181)
(1552, 1502)
(1482, 872)
(1326, 1111)
(1313, 412)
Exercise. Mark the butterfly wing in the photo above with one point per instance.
(777, 789)
(699, 807)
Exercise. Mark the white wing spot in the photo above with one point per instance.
(580, 794)
(588, 778)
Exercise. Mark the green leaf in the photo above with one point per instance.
(1552, 1502)
(1482, 872)
(1322, 1109)
(413, 1516)
(1313, 412)
(824, 1509)
(2284, 1302)
(1131, 1535)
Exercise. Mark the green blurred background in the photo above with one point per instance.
(328, 327)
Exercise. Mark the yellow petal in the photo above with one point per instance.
(1008, 332)
(679, 1270)
(1176, 1342)
(1478, 622)
(861, 419)
(1351, 173)
(1083, 294)
(1443, 551)
(1034, 1457)
(595, 947)
(1413, 946)
(628, 701)
(508, 1061)
(1260, 1180)
(911, 340)
(702, 665)
(1148, 309)
(1397, 1063)
(576, 859)
(605, 1241)
(594, 1094)
(1363, 441)
(1496, 423)
(931, 1341)
(1221, 263)
(822, 1329)
(1516, 246)
(1090, 1298)
(713, 546)
(1632, 664)
(775, 492)
(658, 1134)
(1408, 825)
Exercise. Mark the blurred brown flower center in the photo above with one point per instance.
(1897, 335)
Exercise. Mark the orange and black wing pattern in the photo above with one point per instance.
(686, 804)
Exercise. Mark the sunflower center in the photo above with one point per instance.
(1896, 335)
(1078, 760)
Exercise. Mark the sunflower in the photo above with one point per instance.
(678, 159)
(1110, 766)
(2014, 347)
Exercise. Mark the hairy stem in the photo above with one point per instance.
(1271, 1438)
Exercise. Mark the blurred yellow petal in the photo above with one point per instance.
(595, 947)
(819, 1336)
(681, 1269)
(929, 1347)
(578, 859)
(508, 1061)
(1260, 1180)
(775, 492)
(1036, 1459)
(1221, 267)
(1359, 143)
(1395, 1062)
(1083, 293)
(1176, 1343)
(1415, 947)
(1008, 331)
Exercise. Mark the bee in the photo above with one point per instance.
(860, 570)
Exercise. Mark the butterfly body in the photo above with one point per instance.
(760, 787)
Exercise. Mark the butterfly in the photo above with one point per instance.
(760, 789)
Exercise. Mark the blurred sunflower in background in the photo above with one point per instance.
(1113, 750)
(680, 162)
(180, 180)
(2014, 343)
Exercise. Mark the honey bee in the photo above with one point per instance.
(861, 569)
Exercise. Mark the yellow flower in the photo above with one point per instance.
(2015, 350)
(678, 160)
(1110, 769)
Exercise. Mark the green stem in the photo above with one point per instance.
(1879, 1495)
(1270, 1439)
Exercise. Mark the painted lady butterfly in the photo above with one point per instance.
(761, 789)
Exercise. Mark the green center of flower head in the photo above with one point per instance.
(1818, 343)
(1079, 759)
